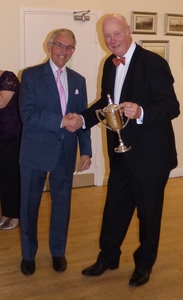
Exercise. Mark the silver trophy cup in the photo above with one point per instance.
(113, 120)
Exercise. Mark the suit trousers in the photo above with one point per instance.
(125, 194)
(32, 183)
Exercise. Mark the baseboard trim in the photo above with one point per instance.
(79, 180)
(173, 173)
(176, 173)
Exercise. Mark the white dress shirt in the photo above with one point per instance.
(121, 72)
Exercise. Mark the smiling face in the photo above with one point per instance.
(117, 34)
(60, 54)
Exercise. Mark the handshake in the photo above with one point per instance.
(72, 122)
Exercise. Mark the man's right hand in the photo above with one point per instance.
(72, 122)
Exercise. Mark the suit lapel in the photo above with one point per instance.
(127, 90)
(111, 78)
(71, 89)
(50, 83)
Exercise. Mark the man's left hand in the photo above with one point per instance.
(131, 110)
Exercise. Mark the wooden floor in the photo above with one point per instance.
(166, 282)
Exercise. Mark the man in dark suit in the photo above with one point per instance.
(143, 87)
(47, 146)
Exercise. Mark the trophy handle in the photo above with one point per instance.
(98, 112)
(121, 113)
(126, 123)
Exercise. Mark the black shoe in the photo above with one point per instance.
(27, 267)
(99, 268)
(59, 264)
(139, 277)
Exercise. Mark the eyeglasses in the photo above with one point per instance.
(61, 46)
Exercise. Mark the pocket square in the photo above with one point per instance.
(76, 92)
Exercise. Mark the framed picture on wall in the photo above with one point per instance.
(159, 47)
(144, 22)
(173, 24)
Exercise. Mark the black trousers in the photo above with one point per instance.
(125, 194)
(10, 177)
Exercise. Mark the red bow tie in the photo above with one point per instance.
(117, 61)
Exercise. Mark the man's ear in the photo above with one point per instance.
(128, 30)
(49, 46)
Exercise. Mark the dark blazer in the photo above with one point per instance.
(41, 116)
(149, 83)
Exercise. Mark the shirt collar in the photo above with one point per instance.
(55, 68)
(129, 53)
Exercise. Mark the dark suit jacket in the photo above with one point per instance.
(149, 83)
(41, 116)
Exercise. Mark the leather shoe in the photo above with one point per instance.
(99, 268)
(139, 277)
(8, 225)
(27, 267)
(3, 221)
(59, 264)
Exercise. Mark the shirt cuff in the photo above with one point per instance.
(83, 126)
(140, 120)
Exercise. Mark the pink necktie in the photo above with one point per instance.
(61, 92)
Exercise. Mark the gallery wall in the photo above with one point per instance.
(10, 39)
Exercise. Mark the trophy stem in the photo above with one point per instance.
(121, 148)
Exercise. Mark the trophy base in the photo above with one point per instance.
(121, 149)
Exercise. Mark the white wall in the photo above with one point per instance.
(10, 43)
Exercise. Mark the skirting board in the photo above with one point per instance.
(79, 180)
(178, 172)
(173, 173)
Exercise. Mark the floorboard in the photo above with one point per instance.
(166, 281)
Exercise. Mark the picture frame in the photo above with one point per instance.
(173, 24)
(144, 22)
(160, 47)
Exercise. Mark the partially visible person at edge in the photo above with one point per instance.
(47, 146)
(10, 134)
(143, 87)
